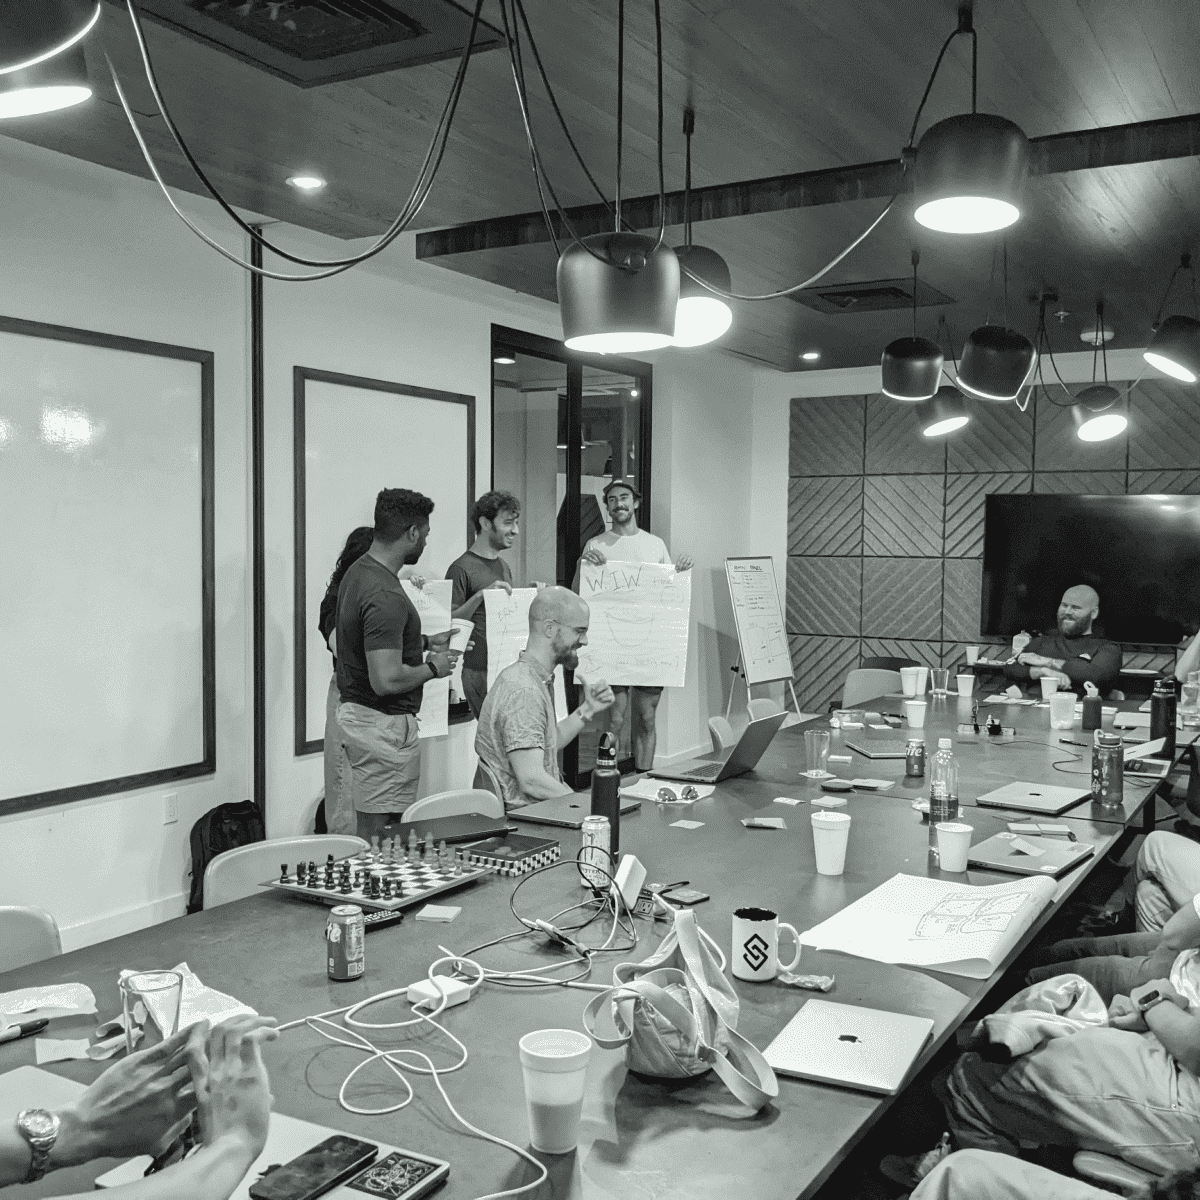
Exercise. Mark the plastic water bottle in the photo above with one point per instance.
(606, 792)
(1189, 703)
(943, 791)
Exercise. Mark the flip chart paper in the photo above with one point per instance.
(758, 615)
(507, 633)
(432, 603)
(639, 628)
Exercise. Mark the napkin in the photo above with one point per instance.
(55, 1000)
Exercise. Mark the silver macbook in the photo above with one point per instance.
(567, 812)
(1035, 798)
(864, 1048)
(756, 737)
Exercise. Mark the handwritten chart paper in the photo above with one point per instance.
(507, 633)
(759, 618)
(432, 603)
(640, 617)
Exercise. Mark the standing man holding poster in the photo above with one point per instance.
(625, 542)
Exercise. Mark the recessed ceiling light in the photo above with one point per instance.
(634, 393)
(306, 183)
(811, 355)
(505, 360)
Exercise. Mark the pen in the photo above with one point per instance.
(24, 1029)
(1072, 742)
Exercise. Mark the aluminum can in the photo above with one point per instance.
(345, 943)
(595, 844)
(914, 758)
(1108, 769)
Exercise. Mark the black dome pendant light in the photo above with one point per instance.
(1092, 412)
(911, 367)
(42, 67)
(618, 292)
(1175, 347)
(997, 362)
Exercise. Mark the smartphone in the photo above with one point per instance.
(685, 896)
(315, 1171)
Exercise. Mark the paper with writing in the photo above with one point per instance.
(758, 615)
(640, 613)
(507, 633)
(432, 603)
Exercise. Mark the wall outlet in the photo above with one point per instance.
(170, 808)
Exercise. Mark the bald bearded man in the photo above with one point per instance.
(1074, 655)
(519, 738)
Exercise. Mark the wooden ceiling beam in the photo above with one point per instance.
(1084, 149)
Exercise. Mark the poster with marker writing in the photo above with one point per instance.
(432, 603)
(507, 633)
(639, 628)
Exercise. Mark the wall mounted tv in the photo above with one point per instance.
(1141, 553)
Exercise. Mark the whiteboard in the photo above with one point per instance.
(106, 582)
(354, 437)
(762, 635)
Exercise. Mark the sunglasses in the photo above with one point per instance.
(686, 795)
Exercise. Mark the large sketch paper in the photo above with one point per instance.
(950, 927)
(639, 629)
(432, 603)
(762, 634)
(507, 633)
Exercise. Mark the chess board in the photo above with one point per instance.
(417, 881)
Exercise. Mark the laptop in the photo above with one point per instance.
(567, 812)
(1024, 854)
(863, 1048)
(1035, 798)
(879, 749)
(756, 737)
(466, 827)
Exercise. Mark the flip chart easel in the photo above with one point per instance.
(762, 636)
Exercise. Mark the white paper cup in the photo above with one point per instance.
(954, 844)
(554, 1064)
(922, 680)
(1062, 710)
(966, 684)
(914, 713)
(909, 677)
(1049, 687)
(831, 832)
(972, 655)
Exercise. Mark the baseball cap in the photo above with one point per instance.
(625, 483)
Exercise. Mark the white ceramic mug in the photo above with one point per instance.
(755, 954)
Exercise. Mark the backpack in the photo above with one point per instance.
(221, 829)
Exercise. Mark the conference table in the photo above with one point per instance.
(639, 1137)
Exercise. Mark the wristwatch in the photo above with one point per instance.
(1149, 1000)
(40, 1129)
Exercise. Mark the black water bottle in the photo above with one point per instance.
(1162, 716)
(606, 792)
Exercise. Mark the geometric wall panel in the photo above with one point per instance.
(825, 515)
(960, 601)
(999, 437)
(826, 435)
(1163, 429)
(925, 653)
(1167, 483)
(1058, 446)
(1080, 483)
(903, 515)
(822, 664)
(824, 595)
(1148, 660)
(894, 441)
(966, 497)
(902, 598)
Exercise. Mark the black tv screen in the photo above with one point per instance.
(1141, 553)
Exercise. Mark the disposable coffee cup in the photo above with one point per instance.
(1062, 710)
(554, 1064)
(1049, 687)
(954, 844)
(922, 680)
(966, 684)
(972, 655)
(831, 832)
(908, 679)
(914, 713)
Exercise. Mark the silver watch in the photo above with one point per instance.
(40, 1129)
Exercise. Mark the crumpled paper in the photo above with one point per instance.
(53, 1000)
(814, 983)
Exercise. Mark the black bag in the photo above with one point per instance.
(221, 829)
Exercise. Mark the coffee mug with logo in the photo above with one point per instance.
(756, 944)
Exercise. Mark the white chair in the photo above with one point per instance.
(866, 685)
(721, 732)
(764, 706)
(238, 872)
(485, 781)
(453, 804)
(27, 935)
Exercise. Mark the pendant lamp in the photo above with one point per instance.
(996, 363)
(51, 84)
(1175, 347)
(943, 413)
(911, 367)
(34, 31)
(1095, 420)
(970, 169)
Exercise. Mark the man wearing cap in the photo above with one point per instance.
(625, 542)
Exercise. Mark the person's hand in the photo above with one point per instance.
(1123, 1014)
(598, 696)
(439, 641)
(683, 563)
(596, 557)
(443, 662)
(414, 577)
(138, 1106)
(233, 1094)
(500, 584)
(1034, 660)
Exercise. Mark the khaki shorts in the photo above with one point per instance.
(381, 755)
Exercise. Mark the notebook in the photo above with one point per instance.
(863, 1048)
(1024, 854)
(1035, 797)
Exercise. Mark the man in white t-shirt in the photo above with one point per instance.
(625, 542)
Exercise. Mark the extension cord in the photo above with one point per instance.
(431, 991)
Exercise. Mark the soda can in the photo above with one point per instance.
(914, 758)
(345, 943)
(595, 844)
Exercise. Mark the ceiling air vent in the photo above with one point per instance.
(310, 42)
(876, 295)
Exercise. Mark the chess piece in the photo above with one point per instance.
(283, 873)
(443, 855)
(374, 847)
(413, 852)
(428, 855)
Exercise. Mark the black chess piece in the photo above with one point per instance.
(283, 873)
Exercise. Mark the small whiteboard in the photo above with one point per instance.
(761, 632)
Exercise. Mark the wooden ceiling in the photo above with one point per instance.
(779, 86)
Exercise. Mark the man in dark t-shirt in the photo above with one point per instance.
(382, 667)
(495, 517)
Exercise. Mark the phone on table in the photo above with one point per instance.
(314, 1172)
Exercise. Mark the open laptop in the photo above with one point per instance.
(756, 737)
(567, 812)
(864, 1048)
(1034, 797)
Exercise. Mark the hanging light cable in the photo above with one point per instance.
(1175, 347)
(997, 362)
(911, 367)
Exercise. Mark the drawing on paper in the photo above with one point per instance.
(963, 913)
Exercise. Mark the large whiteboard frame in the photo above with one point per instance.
(776, 627)
(301, 377)
(204, 601)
